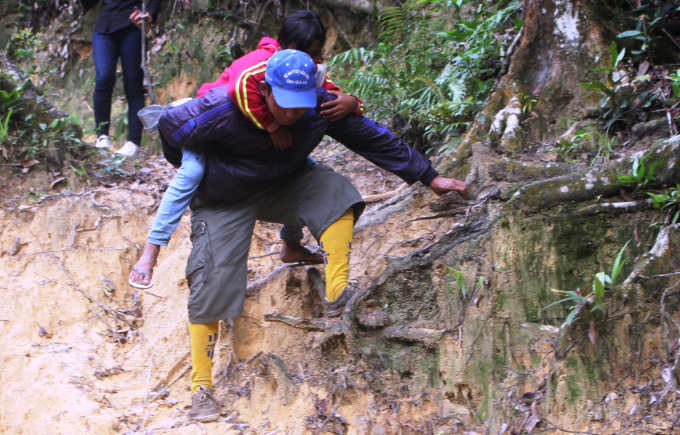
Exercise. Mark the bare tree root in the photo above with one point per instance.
(301, 322)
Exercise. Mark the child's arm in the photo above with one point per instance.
(342, 105)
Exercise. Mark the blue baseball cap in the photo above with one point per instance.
(292, 76)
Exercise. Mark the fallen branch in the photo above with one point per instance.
(169, 385)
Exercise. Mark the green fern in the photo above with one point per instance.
(426, 73)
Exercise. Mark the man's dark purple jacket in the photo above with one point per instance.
(242, 160)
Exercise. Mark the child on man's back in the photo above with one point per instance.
(300, 30)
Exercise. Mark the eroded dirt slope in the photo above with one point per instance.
(81, 351)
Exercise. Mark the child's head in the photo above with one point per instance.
(303, 30)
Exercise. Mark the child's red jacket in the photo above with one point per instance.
(243, 79)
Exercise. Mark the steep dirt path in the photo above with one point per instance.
(81, 351)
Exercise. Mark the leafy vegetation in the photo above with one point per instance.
(434, 65)
(668, 199)
(590, 303)
(640, 176)
(618, 106)
(460, 288)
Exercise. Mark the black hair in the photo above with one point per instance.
(301, 29)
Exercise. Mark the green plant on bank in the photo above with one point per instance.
(113, 164)
(425, 74)
(641, 175)
(4, 127)
(81, 172)
(460, 288)
(605, 146)
(26, 44)
(647, 25)
(527, 102)
(668, 199)
(9, 100)
(618, 107)
(572, 151)
(590, 303)
(58, 134)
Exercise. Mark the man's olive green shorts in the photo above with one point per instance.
(314, 197)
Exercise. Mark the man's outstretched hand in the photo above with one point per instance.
(441, 186)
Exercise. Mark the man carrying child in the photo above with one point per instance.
(247, 179)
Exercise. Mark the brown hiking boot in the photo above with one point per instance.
(337, 307)
(204, 406)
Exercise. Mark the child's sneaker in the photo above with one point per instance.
(103, 142)
(128, 150)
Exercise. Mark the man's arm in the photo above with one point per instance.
(198, 120)
(376, 143)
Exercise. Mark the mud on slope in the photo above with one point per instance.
(82, 352)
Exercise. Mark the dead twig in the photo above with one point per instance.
(169, 385)
(567, 430)
(254, 358)
(511, 49)
(257, 285)
(479, 332)
(148, 381)
(43, 252)
(264, 255)
(153, 294)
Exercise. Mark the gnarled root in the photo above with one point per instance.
(302, 322)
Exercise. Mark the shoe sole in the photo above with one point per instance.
(141, 286)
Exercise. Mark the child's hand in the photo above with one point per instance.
(339, 107)
(282, 138)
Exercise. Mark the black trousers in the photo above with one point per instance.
(125, 44)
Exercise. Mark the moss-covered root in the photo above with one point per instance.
(599, 180)
(515, 171)
(654, 269)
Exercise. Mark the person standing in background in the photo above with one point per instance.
(117, 34)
